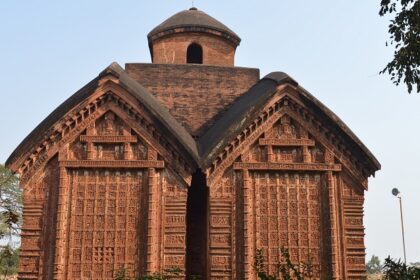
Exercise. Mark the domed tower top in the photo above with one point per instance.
(192, 36)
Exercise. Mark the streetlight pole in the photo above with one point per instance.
(397, 193)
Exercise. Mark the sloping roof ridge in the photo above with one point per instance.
(281, 78)
(139, 92)
(341, 124)
(46, 127)
(157, 109)
(246, 108)
(239, 115)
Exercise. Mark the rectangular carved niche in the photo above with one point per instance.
(288, 213)
(173, 224)
(222, 226)
(353, 230)
(105, 232)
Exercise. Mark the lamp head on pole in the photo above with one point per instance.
(395, 192)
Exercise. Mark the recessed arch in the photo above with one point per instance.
(195, 54)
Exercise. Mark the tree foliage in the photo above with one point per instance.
(404, 32)
(415, 264)
(397, 270)
(10, 204)
(9, 259)
(10, 220)
(374, 265)
(286, 269)
(167, 274)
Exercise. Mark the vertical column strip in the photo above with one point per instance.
(249, 225)
(152, 234)
(62, 226)
(335, 253)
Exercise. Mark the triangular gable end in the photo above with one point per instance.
(256, 119)
(114, 87)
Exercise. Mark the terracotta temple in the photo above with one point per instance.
(190, 162)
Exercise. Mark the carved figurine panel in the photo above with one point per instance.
(110, 124)
(288, 213)
(287, 142)
(173, 224)
(353, 229)
(107, 139)
(268, 211)
(222, 227)
(37, 248)
(105, 222)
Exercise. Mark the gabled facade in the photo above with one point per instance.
(190, 162)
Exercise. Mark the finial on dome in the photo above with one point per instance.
(193, 9)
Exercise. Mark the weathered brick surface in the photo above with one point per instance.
(194, 94)
(173, 49)
(109, 190)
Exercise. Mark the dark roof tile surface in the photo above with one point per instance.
(193, 19)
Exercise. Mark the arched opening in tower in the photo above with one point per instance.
(197, 226)
(195, 54)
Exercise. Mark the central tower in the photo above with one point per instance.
(193, 36)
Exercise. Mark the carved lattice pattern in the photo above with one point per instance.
(288, 214)
(104, 223)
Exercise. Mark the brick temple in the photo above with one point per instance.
(193, 163)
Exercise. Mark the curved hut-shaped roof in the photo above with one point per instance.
(193, 20)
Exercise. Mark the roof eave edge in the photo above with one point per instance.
(232, 37)
(375, 164)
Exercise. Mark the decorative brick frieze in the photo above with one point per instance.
(108, 139)
(286, 166)
(286, 142)
(136, 164)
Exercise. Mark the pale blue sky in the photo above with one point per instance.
(335, 49)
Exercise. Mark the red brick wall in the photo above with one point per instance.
(194, 94)
(173, 49)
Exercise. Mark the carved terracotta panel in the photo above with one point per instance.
(222, 228)
(288, 213)
(173, 224)
(104, 222)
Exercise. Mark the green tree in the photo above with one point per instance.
(374, 265)
(397, 270)
(404, 31)
(286, 269)
(8, 261)
(415, 264)
(10, 203)
(167, 274)
(10, 220)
